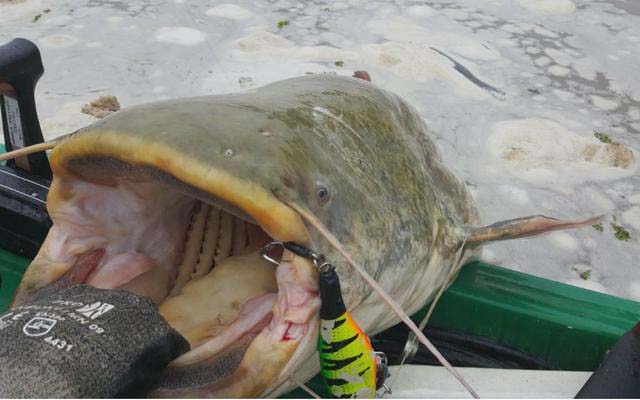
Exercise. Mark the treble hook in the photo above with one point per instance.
(318, 260)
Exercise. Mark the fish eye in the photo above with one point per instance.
(323, 195)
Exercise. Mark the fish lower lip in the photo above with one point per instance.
(200, 264)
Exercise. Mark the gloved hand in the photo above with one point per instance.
(85, 342)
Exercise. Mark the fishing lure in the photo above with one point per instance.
(349, 365)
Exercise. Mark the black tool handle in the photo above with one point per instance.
(20, 68)
(619, 374)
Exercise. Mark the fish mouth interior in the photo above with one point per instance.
(137, 228)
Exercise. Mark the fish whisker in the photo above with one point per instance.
(36, 148)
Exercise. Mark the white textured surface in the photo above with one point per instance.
(561, 70)
(180, 35)
(429, 382)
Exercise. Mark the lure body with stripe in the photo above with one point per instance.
(347, 360)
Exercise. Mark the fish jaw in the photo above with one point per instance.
(123, 230)
(254, 198)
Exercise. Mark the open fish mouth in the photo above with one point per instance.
(194, 249)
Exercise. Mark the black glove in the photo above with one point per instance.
(85, 342)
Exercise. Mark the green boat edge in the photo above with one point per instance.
(568, 327)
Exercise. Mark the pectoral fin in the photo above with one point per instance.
(523, 227)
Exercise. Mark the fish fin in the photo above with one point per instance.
(523, 227)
